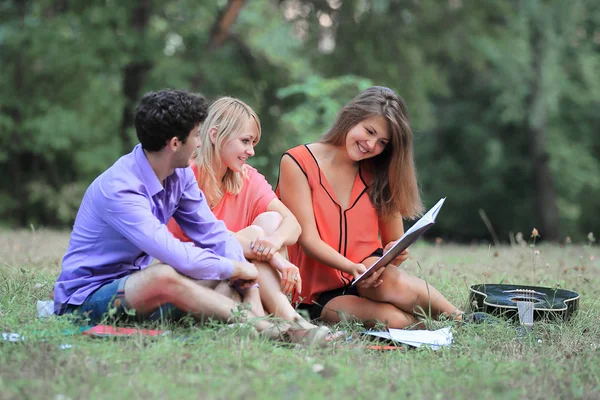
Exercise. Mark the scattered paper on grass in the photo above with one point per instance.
(15, 337)
(12, 337)
(417, 338)
(45, 308)
(318, 368)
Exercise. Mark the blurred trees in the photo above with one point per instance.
(503, 96)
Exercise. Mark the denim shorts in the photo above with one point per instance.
(108, 304)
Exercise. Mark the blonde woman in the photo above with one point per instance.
(242, 198)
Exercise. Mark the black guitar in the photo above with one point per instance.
(554, 304)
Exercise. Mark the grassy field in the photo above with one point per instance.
(485, 361)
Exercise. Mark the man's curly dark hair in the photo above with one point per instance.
(162, 115)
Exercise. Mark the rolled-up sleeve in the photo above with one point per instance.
(129, 213)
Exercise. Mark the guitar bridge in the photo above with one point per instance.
(526, 300)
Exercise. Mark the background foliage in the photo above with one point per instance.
(503, 96)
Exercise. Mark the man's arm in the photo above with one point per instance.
(199, 223)
(129, 213)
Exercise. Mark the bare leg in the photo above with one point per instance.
(367, 311)
(273, 299)
(269, 279)
(408, 293)
(252, 298)
(265, 224)
(160, 284)
(223, 288)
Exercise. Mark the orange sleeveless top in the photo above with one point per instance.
(353, 232)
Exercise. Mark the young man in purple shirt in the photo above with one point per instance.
(120, 228)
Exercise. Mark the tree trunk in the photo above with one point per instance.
(134, 73)
(547, 215)
(227, 16)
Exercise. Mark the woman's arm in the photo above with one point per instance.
(391, 229)
(289, 230)
(296, 195)
(286, 234)
(290, 275)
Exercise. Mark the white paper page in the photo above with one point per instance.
(430, 216)
(381, 334)
(418, 338)
(441, 337)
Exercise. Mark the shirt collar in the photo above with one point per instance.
(148, 176)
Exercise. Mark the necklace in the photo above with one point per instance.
(213, 201)
(214, 204)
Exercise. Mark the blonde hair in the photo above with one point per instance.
(394, 186)
(228, 116)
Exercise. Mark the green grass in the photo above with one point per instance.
(486, 361)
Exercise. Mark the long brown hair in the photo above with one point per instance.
(227, 115)
(393, 188)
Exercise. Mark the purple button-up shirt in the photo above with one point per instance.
(120, 228)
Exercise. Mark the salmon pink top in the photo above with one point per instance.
(353, 232)
(238, 211)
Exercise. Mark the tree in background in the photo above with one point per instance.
(537, 60)
(503, 95)
(72, 73)
(489, 85)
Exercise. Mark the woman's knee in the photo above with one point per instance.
(269, 221)
(394, 281)
(252, 232)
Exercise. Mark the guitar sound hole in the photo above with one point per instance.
(527, 299)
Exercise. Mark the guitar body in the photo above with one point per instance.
(501, 300)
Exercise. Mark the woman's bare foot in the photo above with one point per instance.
(304, 324)
(318, 336)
